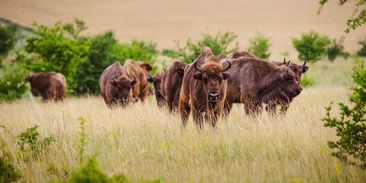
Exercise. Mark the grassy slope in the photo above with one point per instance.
(143, 141)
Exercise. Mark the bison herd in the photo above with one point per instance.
(208, 87)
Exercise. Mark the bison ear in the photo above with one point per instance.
(304, 69)
(180, 71)
(197, 76)
(225, 75)
(133, 82)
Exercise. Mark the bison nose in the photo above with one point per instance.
(213, 96)
(124, 100)
(297, 92)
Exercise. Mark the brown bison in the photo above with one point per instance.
(171, 82)
(49, 85)
(122, 84)
(157, 89)
(203, 89)
(297, 69)
(254, 83)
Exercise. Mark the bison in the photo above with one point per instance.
(123, 84)
(49, 85)
(203, 89)
(297, 69)
(157, 89)
(254, 83)
(171, 82)
(239, 54)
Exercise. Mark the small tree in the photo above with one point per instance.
(362, 51)
(12, 83)
(358, 17)
(219, 44)
(311, 46)
(336, 49)
(351, 126)
(8, 38)
(259, 46)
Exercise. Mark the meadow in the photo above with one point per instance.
(145, 142)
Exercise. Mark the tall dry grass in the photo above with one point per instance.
(143, 141)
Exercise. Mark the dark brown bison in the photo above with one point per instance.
(157, 89)
(123, 84)
(254, 83)
(49, 85)
(203, 89)
(239, 54)
(171, 82)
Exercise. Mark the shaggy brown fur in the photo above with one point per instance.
(254, 83)
(239, 54)
(123, 84)
(157, 89)
(171, 83)
(203, 89)
(49, 85)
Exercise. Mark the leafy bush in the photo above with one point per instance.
(351, 126)
(259, 46)
(362, 51)
(8, 38)
(12, 83)
(31, 144)
(311, 46)
(336, 49)
(306, 81)
(219, 44)
(8, 173)
(55, 52)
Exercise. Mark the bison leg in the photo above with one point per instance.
(197, 117)
(227, 108)
(184, 110)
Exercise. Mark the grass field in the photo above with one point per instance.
(145, 142)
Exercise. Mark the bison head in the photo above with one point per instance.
(289, 84)
(212, 76)
(297, 69)
(122, 89)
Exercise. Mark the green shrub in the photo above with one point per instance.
(81, 143)
(98, 58)
(219, 44)
(336, 49)
(311, 46)
(31, 144)
(362, 51)
(12, 83)
(8, 38)
(306, 81)
(351, 125)
(53, 51)
(8, 173)
(135, 50)
(259, 46)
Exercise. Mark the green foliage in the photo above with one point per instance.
(306, 81)
(358, 17)
(259, 46)
(99, 58)
(8, 38)
(31, 144)
(12, 83)
(135, 50)
(74, 29)
(311, 46)
(351, 125)
(336, 49)
(81, 143)
(219, 44)
(8, 173)
(362, 51)
(53, 51)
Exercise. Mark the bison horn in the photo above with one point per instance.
(228, 67)
(284, 61)
(303, 65)
(195, 66)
